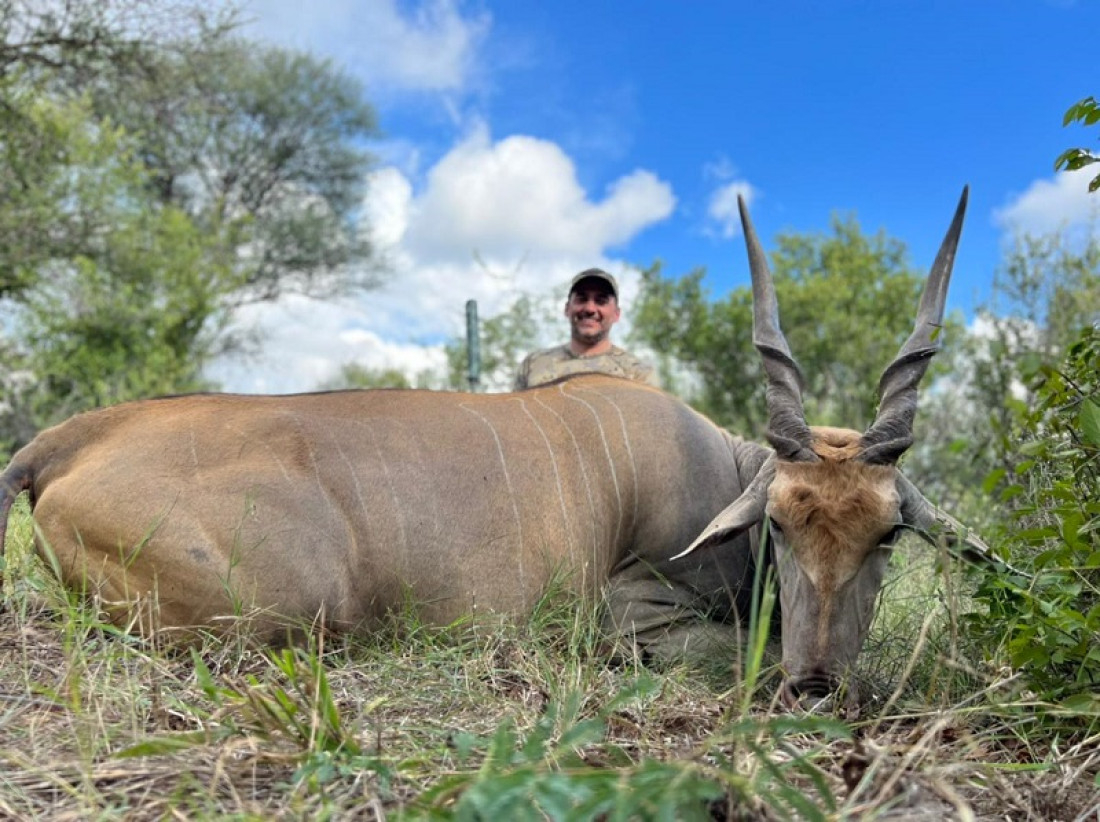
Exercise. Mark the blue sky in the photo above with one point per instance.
(524, 141)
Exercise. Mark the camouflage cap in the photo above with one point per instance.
(596, 274)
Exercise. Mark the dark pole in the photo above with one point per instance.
(473, 347)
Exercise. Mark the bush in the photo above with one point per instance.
(1047, 626)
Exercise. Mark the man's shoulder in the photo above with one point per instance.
(543, 365)
(621, 354)
(631, 366)
(549, 364)
(554, 352)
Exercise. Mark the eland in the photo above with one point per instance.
(197, 512)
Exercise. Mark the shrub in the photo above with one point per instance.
(1047, 626)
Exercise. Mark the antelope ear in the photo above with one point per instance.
(744, 512)
(933, 524)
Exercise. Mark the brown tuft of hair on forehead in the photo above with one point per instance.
(837, 444)
(832, 510)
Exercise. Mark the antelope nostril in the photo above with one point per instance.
(820, 693)
(815, 686)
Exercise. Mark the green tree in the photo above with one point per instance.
(47, 50)
(155, 174)
(129, 304)
(89, 37)
(268, 139)
(1087, 113)
(1046, 291)
(1048, 626)
(354, 375)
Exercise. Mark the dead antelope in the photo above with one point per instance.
(194, 512)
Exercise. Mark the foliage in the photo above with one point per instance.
(264, 138)
(1052, 285)
(132, 303)
(47, 50)
(354, 375)
(1047, 293)
(91, 37)
(231, 132)
(1049, 626)
(1087, 113)
(847, 302)
(155, 174)
(676, 318)
(543, 774)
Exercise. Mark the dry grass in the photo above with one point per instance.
(417, 723)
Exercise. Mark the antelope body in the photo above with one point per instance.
(191, 512)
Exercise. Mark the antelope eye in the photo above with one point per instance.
(891, 536)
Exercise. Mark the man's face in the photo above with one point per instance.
(591, 310)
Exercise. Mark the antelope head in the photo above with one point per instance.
(834, 499)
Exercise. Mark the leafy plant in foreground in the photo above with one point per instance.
(298, 708)
(1049, 627)
(544, 774)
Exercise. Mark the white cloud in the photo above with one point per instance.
(493, 219)
(1051, 205)
(430, 47)
(521, 197)
(386, 208)
(306, 342)
(722, 207)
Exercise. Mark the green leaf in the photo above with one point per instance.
(1089, 420)
(1031, 448)
(1065, 158)
(990, 482)
(1088, 704)
(203, 675)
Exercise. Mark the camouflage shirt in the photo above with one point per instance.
(551, 363)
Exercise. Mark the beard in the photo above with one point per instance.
(589, 336)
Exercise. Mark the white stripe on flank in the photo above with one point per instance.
(247, 437)
(557, 476)
(629, 450)
(587, 487)
(511, 495)
(313, 461)
(607, 452)
(355, 479)
(398, 510)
